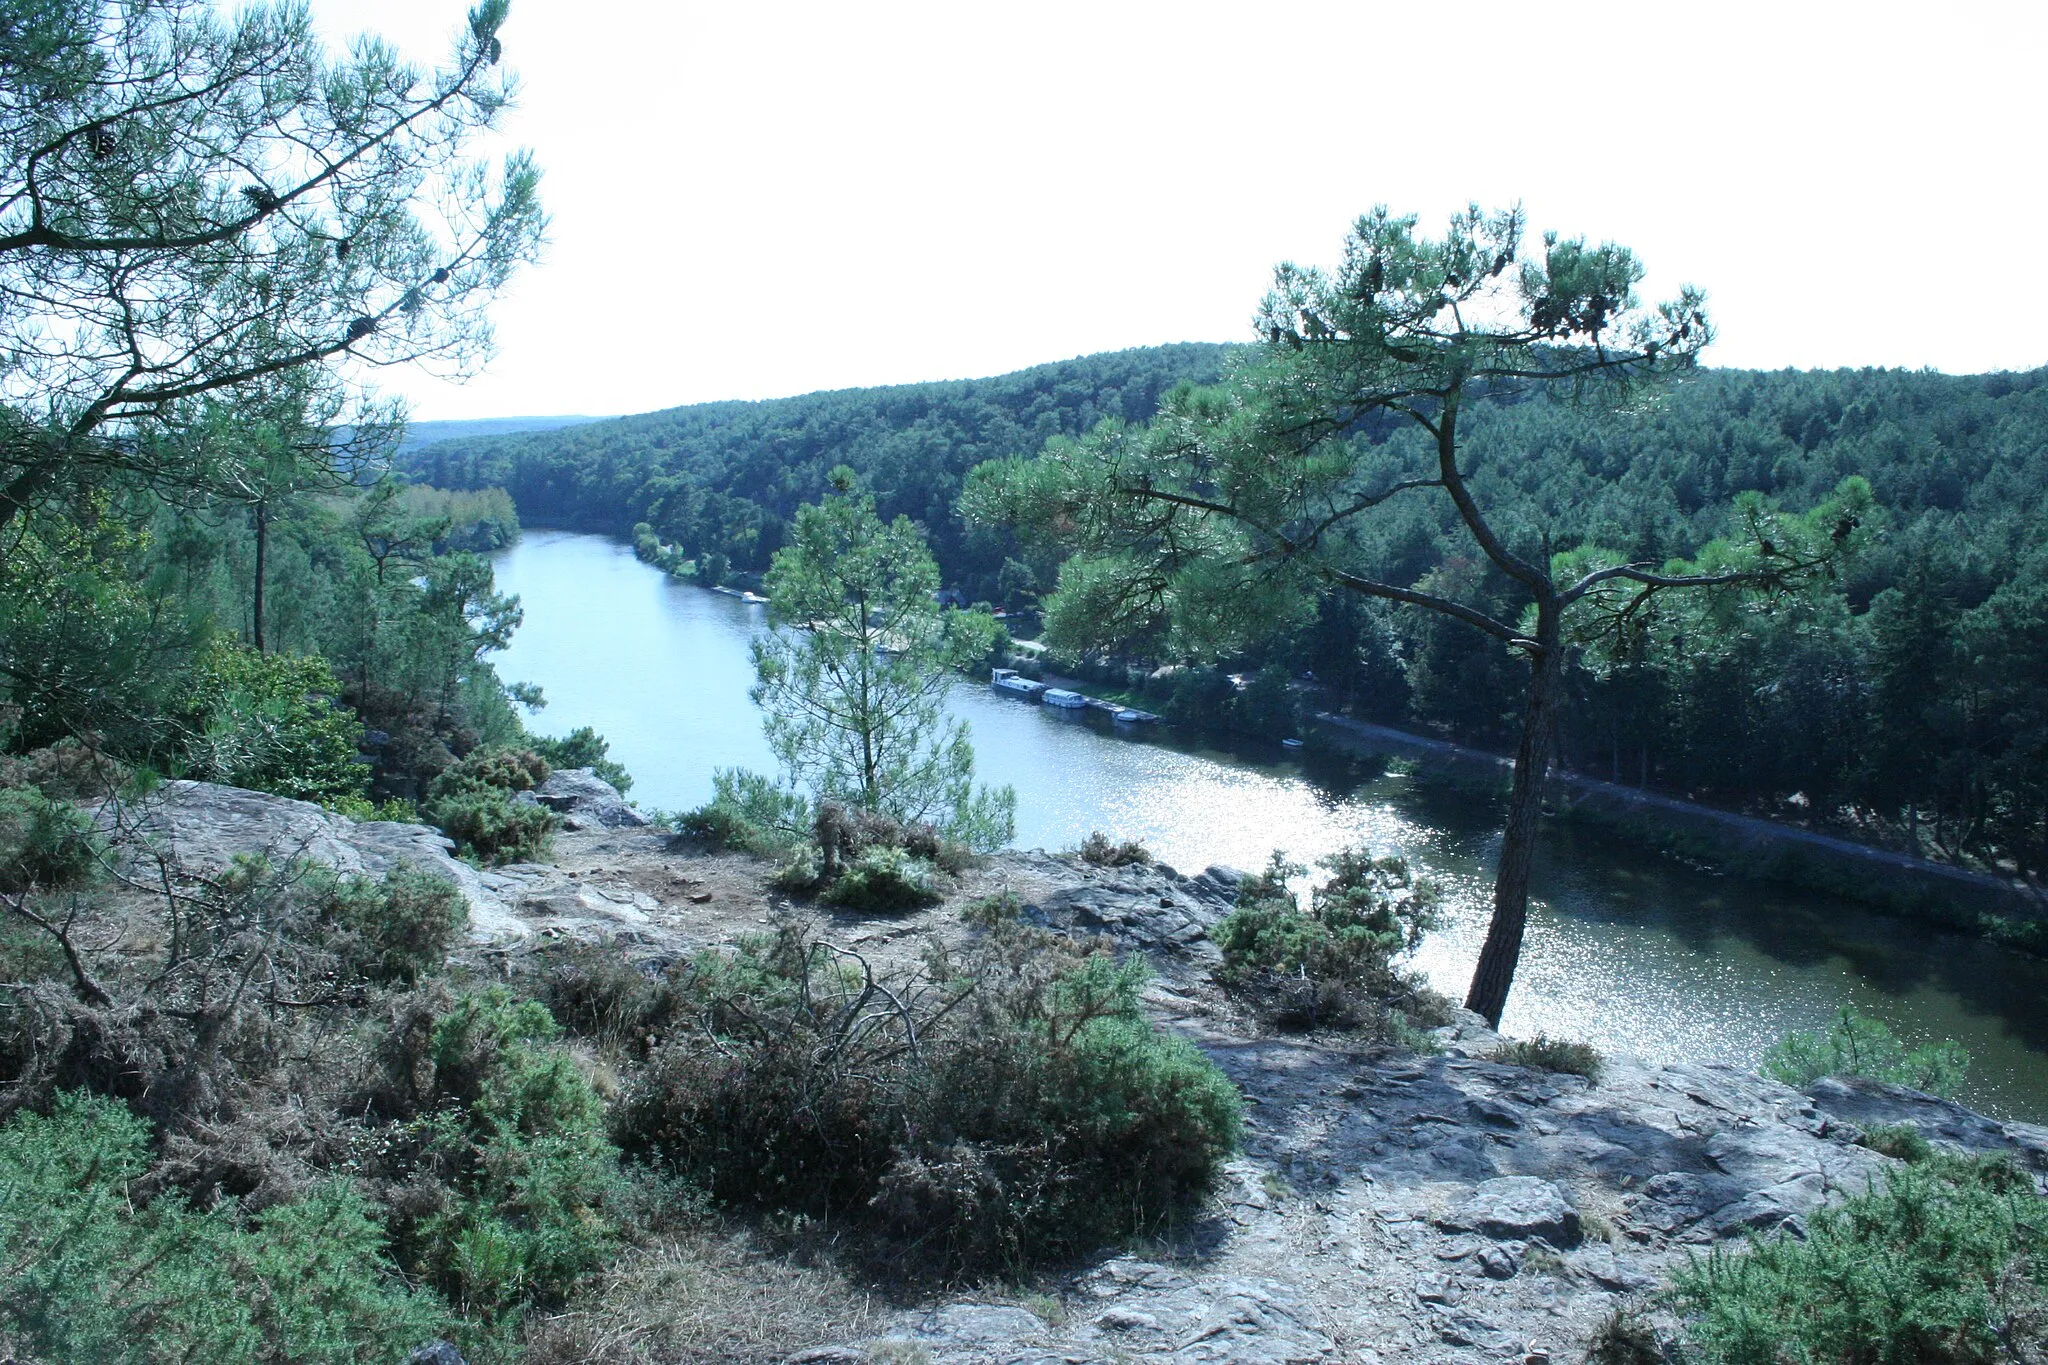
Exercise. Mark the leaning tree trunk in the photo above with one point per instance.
(1503, 950)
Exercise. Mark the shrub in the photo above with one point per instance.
(70, 770)
(1545, 1053)
(395, 930)
(92, 1274)
(472, 803)
(44, 843)
(594, 992)
(885, 879)
(1003, 1108)
(1946, 1261)
(1624, 1337)
(1901, 1141)
(1100, 850)
(1334, 963)
(271, 722)
(509, 1132)
(1854, 1044)
(750, 813)
(584, 748)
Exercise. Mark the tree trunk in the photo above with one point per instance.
(1503, 950)
(262, 546)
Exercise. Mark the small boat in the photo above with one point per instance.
(1132, 716)
(754, 598)
(1290, 744)
(1126, 715)
(1065, 700)
(1016, 684)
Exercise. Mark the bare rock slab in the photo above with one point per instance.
(1517, 1208)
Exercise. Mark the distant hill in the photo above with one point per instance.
(419, 434)
(725, 478)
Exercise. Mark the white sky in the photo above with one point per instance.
(762, 198)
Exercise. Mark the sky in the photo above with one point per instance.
(759, 199)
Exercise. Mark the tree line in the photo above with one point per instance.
(1901, 696)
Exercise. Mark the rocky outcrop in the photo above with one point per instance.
(585, 801)
(204, 827)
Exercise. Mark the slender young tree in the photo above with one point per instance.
(853, 679)
(1227, 515)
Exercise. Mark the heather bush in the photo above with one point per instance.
(1001, 1108)
(1545, 1053)
(1333, 963)
(884, 879)
(1098, 848)
(394, 930)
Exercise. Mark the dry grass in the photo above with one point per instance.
(704, 1297)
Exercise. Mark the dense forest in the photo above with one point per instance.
(1908, 697)
(725, 479)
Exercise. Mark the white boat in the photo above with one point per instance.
(1290, 744)
(1065, 700)
(1016, 684)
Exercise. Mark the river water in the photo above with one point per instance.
(1627, 950)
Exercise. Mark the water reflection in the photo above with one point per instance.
(1626, 950)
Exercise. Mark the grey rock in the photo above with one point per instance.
(978, 1324)
(1518, 1206)
(436, 1353)
(586, 801)
(203, 826)
(1255, 1322)
(1873, 1104)
(1600, 1265)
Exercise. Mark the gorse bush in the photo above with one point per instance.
(1946, 1261)
(472, 802)
(1333, 963)
(270, 722)
(395, 930)
(1008, 1106)
(93, 1274)
(499, 1137)
(750, 813)
(1854, 1044)
(44, 842)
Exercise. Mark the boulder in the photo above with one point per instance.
(204, 826)
(586, 801)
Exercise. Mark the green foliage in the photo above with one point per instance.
(44, 843)
(513, 1131)
(1854, 1044)
(883, 880)
(94, 1274)
(271, 722)
(584, 748)
(1333, 963)
(472, 802)
(1900, 1141)
(1947, 1261)
(721, 482)
(1098, 848)
(1005, 1108)
(852, 682)
(1545, 1053)
(749, 812)
(396, 930)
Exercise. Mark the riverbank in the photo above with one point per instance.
(1954, 898)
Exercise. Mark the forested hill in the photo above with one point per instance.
(723, 478)
(1912, 693)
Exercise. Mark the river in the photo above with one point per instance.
(1627, 950)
